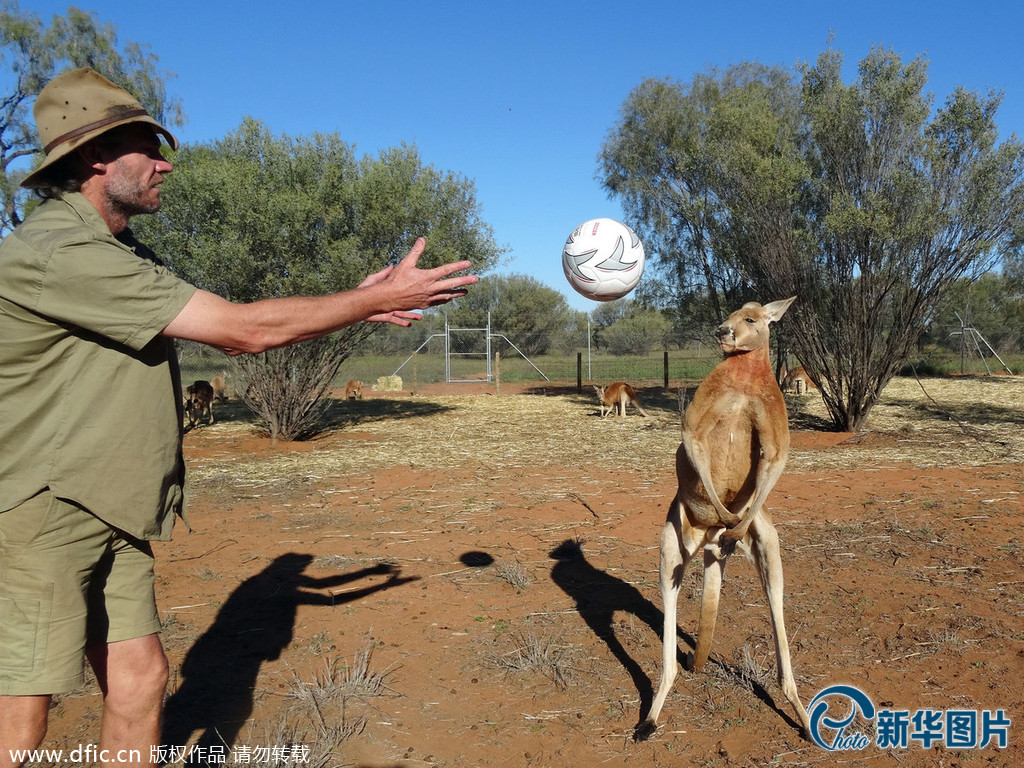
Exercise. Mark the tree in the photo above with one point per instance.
(257, 216)
(636, 334)
(33, 53)
(848, 197)
(901, 207)
(607, 313)
(991, 305)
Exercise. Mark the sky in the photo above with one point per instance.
(519, 97)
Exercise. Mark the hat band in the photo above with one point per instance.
(118, 118)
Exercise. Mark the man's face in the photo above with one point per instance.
(136, 171)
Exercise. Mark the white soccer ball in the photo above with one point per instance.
(603, 259)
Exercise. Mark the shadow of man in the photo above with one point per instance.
(598, 596)
(254, 625)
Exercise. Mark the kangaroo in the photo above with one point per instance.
(354, 390)
(219, 383)
(734, 447)
(614, 397)
(199, 400)
(798, 381)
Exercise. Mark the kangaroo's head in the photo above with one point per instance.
(600, 392)
(746, 329)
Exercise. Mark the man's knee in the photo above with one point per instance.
(131, 670)
(23, 722)
(153, 677)
(146, 672)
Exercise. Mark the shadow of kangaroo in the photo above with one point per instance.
(254, 625)
(598, 596)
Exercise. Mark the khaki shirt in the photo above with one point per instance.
(90, 396)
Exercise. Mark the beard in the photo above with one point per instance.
(129, 196)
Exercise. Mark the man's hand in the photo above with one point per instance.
(414, 287)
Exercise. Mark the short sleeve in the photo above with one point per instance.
(109, 290)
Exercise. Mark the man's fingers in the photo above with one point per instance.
(452, 268)
(377, 277)
(444, 297)
(407, 315)
(451, 283)
(412, 258)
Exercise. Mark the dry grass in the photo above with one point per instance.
(938, 422)
(514, 573)
(932, 423)
(543, 654)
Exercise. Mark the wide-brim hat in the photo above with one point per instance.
(78, 106)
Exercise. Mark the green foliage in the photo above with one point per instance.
(676, 158)
(992, 305)
(33, 53)
(636, 334)
(257, 216)
(903, 208)
(607, 313)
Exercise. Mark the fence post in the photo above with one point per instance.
(579, 373)
(666, 369)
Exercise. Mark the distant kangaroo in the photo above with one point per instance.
(354, 390)
(615, 396)
(798, 381)
(734, 447)
(219, 383)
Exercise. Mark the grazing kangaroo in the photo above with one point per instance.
(734, 447)
(198, 400)
(615, 396)
(354, 390)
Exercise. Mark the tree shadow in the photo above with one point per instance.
(336, 414)
(254, 625)
(346, 414)
(804, 421)
(598, 595)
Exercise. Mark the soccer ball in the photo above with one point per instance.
(603, 259)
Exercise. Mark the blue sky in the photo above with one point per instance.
(520, 96)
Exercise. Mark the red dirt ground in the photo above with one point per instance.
(902, 580)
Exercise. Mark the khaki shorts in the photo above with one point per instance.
(68, 581)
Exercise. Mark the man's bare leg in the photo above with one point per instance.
(22, 725)
(132, 675)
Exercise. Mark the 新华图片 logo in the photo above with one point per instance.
(901, 728)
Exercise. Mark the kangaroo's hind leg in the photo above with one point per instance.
(765, 551)
(679, 542)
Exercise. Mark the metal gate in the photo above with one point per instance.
(461, 351)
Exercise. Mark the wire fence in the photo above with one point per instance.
(436, 360)
(405, 360)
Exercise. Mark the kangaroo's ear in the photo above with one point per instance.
(777, 309)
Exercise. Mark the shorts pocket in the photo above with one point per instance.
(22, 640)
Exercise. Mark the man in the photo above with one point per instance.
(91, 468)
